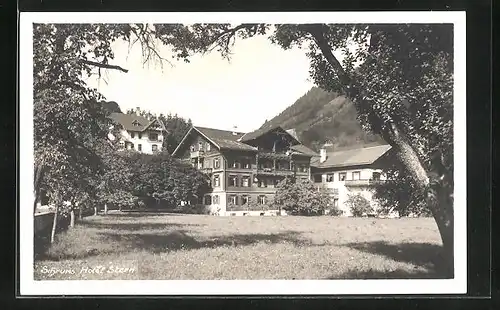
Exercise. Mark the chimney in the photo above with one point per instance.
(322, 154)
(138, 110)
(234, 130)
(328, 146)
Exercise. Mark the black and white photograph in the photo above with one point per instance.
(312, 153)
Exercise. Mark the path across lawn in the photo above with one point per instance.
(173, 246)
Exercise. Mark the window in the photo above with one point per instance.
(233, 200)
(136, 123)
(132, 134)
(121, 144)
(139, 147)
(245, 181)
(233, 180)
(318, 178)
(140, 135)
(303, 168)
(262, 182)
(193, 148)
(342, 176)
(131, 146)
(216, 180)
(276, 182)
(154, 147)
(244, 199)
(262, 200)
(355, 175)
(335, 202)
(216, 200)
(208, 146)
(376, 176)
(329, 177)
(234, 164)
(246, 164)
(303, 179)
(200, 146)
(208, 200)
(216, 163)
(153, 136)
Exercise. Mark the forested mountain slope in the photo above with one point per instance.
(319, 116)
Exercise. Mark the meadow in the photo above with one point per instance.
(195, 247)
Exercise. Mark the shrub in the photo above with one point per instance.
(335, 211)
(359, 205)
(301, 198)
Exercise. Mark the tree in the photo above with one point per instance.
(301, 198)
(68, 121)
(163, 178)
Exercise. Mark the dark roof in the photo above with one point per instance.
(293, 133)
(259, 132)
(225, 139)
(304, 150)
(128, 120)
(353, 157)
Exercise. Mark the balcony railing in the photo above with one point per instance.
(206, 170)
(271, 171)
(365, 182)
(195, 154)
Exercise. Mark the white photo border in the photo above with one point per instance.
(28, 286)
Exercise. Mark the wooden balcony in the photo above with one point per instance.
(196, 154)
(365, 182)
(206, 170)
(275, 172)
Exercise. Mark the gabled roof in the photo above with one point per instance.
(302, 149)
(222, 139)
(134, 122)
(259, 132)
(225, 139)
(353, 157)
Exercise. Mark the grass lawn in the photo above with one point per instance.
(172, 246)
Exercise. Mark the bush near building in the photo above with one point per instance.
(302, 198)
(359, 205)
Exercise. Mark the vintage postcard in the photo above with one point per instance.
(242, 153)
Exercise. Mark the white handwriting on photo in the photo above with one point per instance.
(98, 269)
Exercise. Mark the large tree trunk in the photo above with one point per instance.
(39, 169)
(72, 218)
(437, 196)
(80, 211)
(105, 208)
(95, 210)
(54, 225)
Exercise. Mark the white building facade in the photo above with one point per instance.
(139, 133)
(349, 172)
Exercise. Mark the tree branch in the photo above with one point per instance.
(317, 33)
(103, 65)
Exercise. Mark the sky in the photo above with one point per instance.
(259, 82)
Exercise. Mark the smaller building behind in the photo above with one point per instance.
(348, 172)
(139, 133)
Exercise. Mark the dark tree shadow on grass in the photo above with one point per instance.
(141, 213)
(133, 226)
(425, 255)
(180, 240)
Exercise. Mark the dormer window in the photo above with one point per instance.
(136, 123)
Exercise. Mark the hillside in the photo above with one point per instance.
(319, 116)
